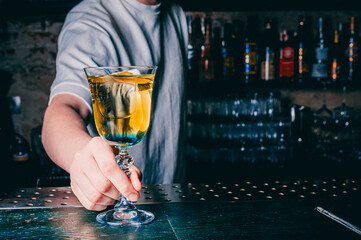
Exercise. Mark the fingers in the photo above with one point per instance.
(88, 202)
(109, 168)
(92, 193)
(96, 178)
(84, 187)
(93, 175)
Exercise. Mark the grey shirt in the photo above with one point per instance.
(124, 33)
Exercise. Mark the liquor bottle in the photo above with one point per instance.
(228, 53)
(20, 149)
(303, 56)
(22, 164)
(250, 57)
(197, 41)
(352, 68)
(217, 53)
(206, 62)
(335, 55)
(238, 48)
(267, 55)
(319, 67)
(287, 59)
(190, 53)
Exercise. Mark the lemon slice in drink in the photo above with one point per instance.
(129, 77)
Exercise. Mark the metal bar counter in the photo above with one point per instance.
(243, 210)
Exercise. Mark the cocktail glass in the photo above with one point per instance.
(121, 99)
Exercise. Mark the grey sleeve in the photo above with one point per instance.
(81, 44)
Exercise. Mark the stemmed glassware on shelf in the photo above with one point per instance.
(323, 124)
(343, 109)
(324, 111)
(342, 116)
(121, 98)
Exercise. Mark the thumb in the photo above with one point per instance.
(135, 177)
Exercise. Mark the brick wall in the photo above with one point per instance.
(27, 50)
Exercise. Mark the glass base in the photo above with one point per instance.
(128, 218)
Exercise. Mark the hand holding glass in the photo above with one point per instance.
(121, 98)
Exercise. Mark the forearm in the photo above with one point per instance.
(64, 129)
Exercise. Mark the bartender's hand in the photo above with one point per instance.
(96, 178)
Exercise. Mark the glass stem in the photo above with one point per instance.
(124, 160)
(124, 209)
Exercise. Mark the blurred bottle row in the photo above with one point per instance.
(235, 54)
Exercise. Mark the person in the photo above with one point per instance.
(117, 33)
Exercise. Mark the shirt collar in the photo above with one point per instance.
(149, 9)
